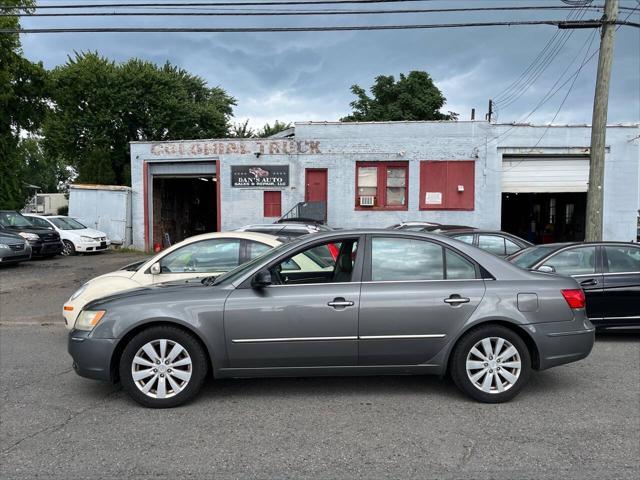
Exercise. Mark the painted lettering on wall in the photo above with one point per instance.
(244, 147)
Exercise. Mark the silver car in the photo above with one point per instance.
(391, 302)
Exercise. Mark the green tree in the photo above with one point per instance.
(411, 97)
(242, 130)
(22, 105)
(269, 130)
(39, 169)
(100, 106)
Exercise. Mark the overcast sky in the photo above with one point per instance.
(306, 76)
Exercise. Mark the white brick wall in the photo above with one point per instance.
(341, 145)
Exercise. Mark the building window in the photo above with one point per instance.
(447, 185)
(381, 185)
(272, 204)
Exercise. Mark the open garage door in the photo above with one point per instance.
(544, 198)
(521, 174)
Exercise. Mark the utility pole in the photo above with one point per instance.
(595, 195)
(490, 114)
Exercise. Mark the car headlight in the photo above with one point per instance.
(29, 236)
(78, 292)
(88, 319)
(87, 239)
(4, 246)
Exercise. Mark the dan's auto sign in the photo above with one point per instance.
(260, 176)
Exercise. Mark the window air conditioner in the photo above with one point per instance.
(367, 201)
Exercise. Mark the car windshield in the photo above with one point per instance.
(133, 267)
(14, 219)
(530, 256)
(67, 223)
(239, 271)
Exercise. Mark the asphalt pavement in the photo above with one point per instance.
(576, 421)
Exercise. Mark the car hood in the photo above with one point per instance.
(37, 230)
(179, 287)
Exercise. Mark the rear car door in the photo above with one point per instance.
(416, 293)
(200, 259)
(308, 317)
(583, 263)
(621, 305)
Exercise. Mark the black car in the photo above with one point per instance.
(609, 273)
(499, 243)
(45, 242)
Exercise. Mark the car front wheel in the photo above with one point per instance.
(163, 367)
(68, 248)
(491, 364)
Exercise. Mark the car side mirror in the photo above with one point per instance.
(547, 269)
(155, 268)
(261, 279)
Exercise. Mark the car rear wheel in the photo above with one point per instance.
(163, 367)
(68, 248)
(491, 364)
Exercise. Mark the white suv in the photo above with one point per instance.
(75, 236)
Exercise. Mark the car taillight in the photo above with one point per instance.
(574, 297)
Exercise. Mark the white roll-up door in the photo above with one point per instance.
(545, 174)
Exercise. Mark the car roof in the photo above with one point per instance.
(270, 240)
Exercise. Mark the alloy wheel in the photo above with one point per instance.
(493, 365)
(67, 248)
(161, 368)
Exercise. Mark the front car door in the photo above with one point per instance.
(585, 265)
(309, 315)
(621, 305)
(416, 293)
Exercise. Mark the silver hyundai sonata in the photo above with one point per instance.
(366, 302)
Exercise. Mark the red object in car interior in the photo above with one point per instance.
(574, 297)
(333, 250)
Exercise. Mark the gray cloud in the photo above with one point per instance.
(307, 76)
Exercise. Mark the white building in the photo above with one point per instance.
(529, 180)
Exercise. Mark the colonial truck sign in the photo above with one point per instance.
(260, 176)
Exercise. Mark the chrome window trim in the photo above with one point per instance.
(621, 273)
(429, 281)
(632, 317)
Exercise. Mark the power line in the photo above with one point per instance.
(346, 28)
(209, 4)
(237, 13)
(526, 75)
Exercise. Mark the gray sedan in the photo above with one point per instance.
(391, 302)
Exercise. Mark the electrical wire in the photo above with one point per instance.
(240, 13)
(343, 28)
(208, 4)
(519, 90)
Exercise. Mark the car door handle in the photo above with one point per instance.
(340, 303)
(456, 300)
(589, 283)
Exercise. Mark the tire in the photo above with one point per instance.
(496, 379)
(164, 373)
(69, 248)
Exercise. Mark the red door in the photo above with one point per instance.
(316, 186)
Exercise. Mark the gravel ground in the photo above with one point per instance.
(576, 421)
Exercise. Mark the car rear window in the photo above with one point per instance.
(529, 257)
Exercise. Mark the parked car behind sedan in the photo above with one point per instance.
(416, 226)
(13, 248)
(609, 273)
(209, 254)
(286, 230)
(75, 236)
(501, 244)
(44, 242)
(393, 302)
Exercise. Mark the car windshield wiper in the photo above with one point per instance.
(208, 281)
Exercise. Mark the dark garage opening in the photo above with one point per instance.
(183, 207)
(545, 217)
